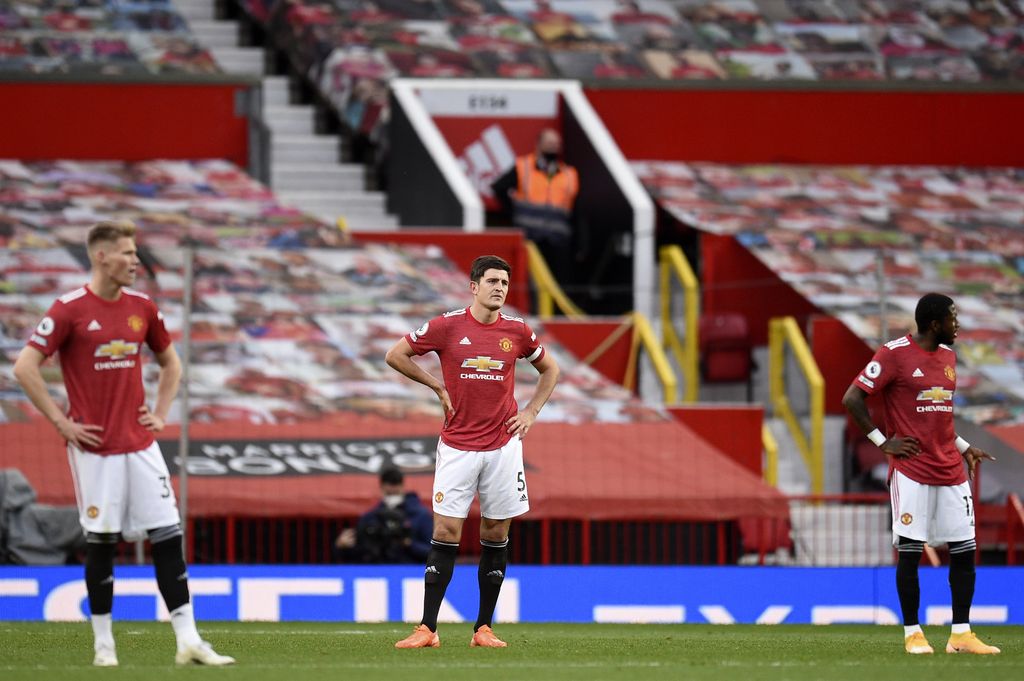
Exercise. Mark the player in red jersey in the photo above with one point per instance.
(480, 449)
(121, 480)
(931, 497)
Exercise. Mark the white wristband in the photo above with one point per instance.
(962, 445)
(877, 438)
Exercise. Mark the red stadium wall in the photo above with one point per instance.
(840, 355)
(735, 430)
(815, 126)
(123, 121)
(463, 247)
(734, 280)
(583, 337)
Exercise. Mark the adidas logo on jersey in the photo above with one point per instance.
(917, 373)
(465, 341)
(93, 326)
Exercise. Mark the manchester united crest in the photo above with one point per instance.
(950, 373)
(439, 497)
(906, 518)
(92, 511)
(135, 323)
(505, 344)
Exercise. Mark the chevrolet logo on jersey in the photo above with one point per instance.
(936, 395)
(116, 349)
(483, 364)
(938, 398)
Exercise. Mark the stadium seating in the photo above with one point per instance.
(108, 37)
(350, 49)
(953, 230)
(341, 309)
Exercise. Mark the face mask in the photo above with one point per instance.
(393, 500)
(550, 156)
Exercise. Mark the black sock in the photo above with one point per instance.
(99, 577)
(171, 574)
(961, 579)
(907, 585)
(440, 565)
(493, 562)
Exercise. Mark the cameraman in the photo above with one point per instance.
(396, 530)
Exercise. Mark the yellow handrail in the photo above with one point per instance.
(783, 331)
(549, 293)
(673, 262)
(643, 335)
(771, 455)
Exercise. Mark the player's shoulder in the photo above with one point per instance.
(72, 296)
(898, 345)
(947, 352)
(461, 312)
(135, 294)
(512, 318)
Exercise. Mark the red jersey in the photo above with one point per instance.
(100, 344)
(478, 362)
(917, 389)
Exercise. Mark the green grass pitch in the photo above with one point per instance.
(536, 652)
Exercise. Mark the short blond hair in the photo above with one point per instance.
(110, 230)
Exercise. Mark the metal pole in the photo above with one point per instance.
(883, 304)
(186, 361)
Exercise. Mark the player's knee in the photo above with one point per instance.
(162, 534)
(102, 537)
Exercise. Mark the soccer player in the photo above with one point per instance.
(480, 448)
(121, 481)
(931, 497)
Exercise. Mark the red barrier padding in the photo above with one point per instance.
(646, 471)
(123, 121)
(814, 125)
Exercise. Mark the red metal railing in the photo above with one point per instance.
(1014, 527)
(857, 535)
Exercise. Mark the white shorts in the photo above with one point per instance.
(126, 493)
(498, 475)
(936, 514)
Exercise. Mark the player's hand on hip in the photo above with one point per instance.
(149, 420)
(521, 423)
(902, 446)
(973, 457)
(80, 434)
(446, 404)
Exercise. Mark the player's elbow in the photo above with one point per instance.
(393, 357)
(852, 398)
(23, 368)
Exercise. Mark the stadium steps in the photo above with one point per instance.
(305, 168)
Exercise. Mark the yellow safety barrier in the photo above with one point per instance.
(771, 455)
(673, 264)
(549, 293)
(783, 331)
(643, 335)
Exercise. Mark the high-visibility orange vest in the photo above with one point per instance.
(542, 202)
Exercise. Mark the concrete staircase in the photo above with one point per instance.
(305, 167)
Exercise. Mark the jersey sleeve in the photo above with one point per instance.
(878, 373)
(430, 336)
(532, 350)
(52, 330)
(157, 337)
